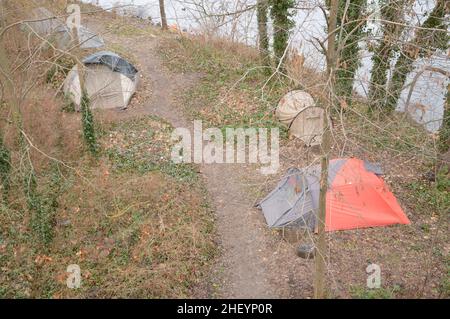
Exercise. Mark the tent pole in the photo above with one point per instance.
(320, 262)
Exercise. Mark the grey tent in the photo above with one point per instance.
(294, 201)
(45, 22)
(110, 81)
(87, 38)
(54, 30)
(357, 197)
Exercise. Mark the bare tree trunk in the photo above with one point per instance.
(262, 6)
(319, 278)
(162, 10)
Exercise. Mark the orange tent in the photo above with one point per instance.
(357, 197)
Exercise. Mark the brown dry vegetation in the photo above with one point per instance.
(139, 226)
(135, 224)
(414, 259)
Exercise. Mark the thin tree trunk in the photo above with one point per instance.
(391, 11)
(162, 10)
(350, 19)
(280, 12)
(424, 43)
(320, 278)
(262, 6)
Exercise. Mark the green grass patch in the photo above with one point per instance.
(396, 134)
(128, 30)
(234, 90)
(380, 293)
(431, 197)
(138, 225)
(143, 146)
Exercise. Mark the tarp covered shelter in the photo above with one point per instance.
(54, 30)
(114, 62)
(110, 81)
(357, 197)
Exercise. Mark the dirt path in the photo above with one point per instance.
(240, 272)
(253, 263)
